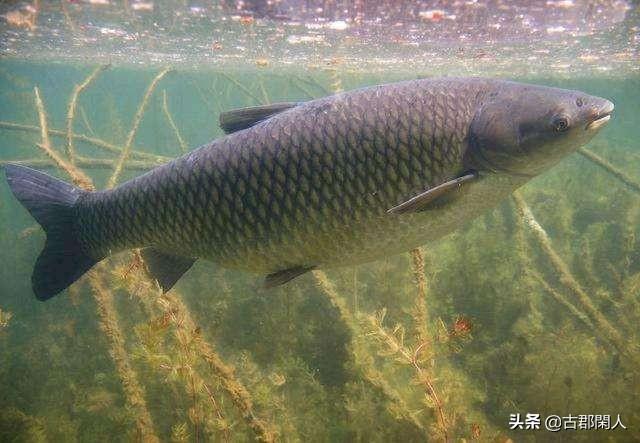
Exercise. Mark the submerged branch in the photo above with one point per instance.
(165, 108)
(133, 391)
(73, 102)
(243, 88)
(134, 128)
(311, 82)
(568, 280)
(561, 299)
(234, 388)
(83, 162)
(412, 358)
(420, 316)
(529, 268)
(618, 173)
(98, 143)
(373, 375)
(85, 120)
(336, 81)
(78, 177)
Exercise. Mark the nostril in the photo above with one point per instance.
(607, 108)
(579, 102)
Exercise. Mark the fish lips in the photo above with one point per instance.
(601, 117)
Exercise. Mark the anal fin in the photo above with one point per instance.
(421, 201)
(166, 268)
(281, 277)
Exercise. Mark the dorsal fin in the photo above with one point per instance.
(243, 118)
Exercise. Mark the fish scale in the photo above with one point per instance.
(309, 186)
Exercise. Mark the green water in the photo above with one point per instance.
(506, 323)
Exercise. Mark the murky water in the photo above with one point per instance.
(531, 309)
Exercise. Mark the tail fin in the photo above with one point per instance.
(50, 201)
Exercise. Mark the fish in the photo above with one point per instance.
(336, 181)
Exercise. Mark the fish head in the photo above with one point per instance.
(525, 129)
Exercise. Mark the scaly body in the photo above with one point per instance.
(310, 186)
(335, 181)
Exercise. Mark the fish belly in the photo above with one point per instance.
(371, 238)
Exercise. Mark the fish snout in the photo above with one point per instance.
(600, 114)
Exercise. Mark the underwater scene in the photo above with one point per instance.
(522, 324)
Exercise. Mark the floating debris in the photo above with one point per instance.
(142, 6)
(565, 4)
(434, 15)
(338, 25)
(24, 17)
(556, 29)
(297, 39)
(262, 62)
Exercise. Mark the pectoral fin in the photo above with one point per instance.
(281, 277)
(166, 268)
(243, 118)
(421, 201)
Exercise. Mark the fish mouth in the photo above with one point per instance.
(602, 116)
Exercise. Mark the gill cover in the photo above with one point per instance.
(493, 134)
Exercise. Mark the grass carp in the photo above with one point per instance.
(330, 182)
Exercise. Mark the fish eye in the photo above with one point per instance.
(560, 124)
(579, 102)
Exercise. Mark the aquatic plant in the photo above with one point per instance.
(4, 319)
(126, 151)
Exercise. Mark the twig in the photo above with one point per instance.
(73, 101)
(336, 81)
(83, 162)
(619, 174)
(561, 299)
(412, 358)
(36, 7)
(134, 128)
(216, 409)
(243, 88)
(329, 290)
(238, 393)
(98, 143)
(26, 232)
(185, 338)
(267, 100)
(567, 279)
(134, 393)
(372, 375)
(313, 82)
(165, 108)
(206, 102)
(304, 90)
(421, 317)
(355, 290)
(67, 17)
(529, 268)
(78, 177)
(85, 120)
